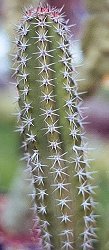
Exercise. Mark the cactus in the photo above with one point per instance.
(51, 126)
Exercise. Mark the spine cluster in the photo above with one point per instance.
(51, 124)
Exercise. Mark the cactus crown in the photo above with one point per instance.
(51, 125)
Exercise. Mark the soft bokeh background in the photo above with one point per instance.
(90, 48)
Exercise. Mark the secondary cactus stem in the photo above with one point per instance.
(51, 124)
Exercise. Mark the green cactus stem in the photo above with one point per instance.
(51, 124)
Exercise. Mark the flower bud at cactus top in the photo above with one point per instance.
(51, 124)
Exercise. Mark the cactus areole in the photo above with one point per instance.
(51, 125)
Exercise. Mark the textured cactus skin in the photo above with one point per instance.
(51, 126)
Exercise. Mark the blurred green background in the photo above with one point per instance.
(8, 154)
(9, 140)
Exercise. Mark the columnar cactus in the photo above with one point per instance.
(51, 124)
